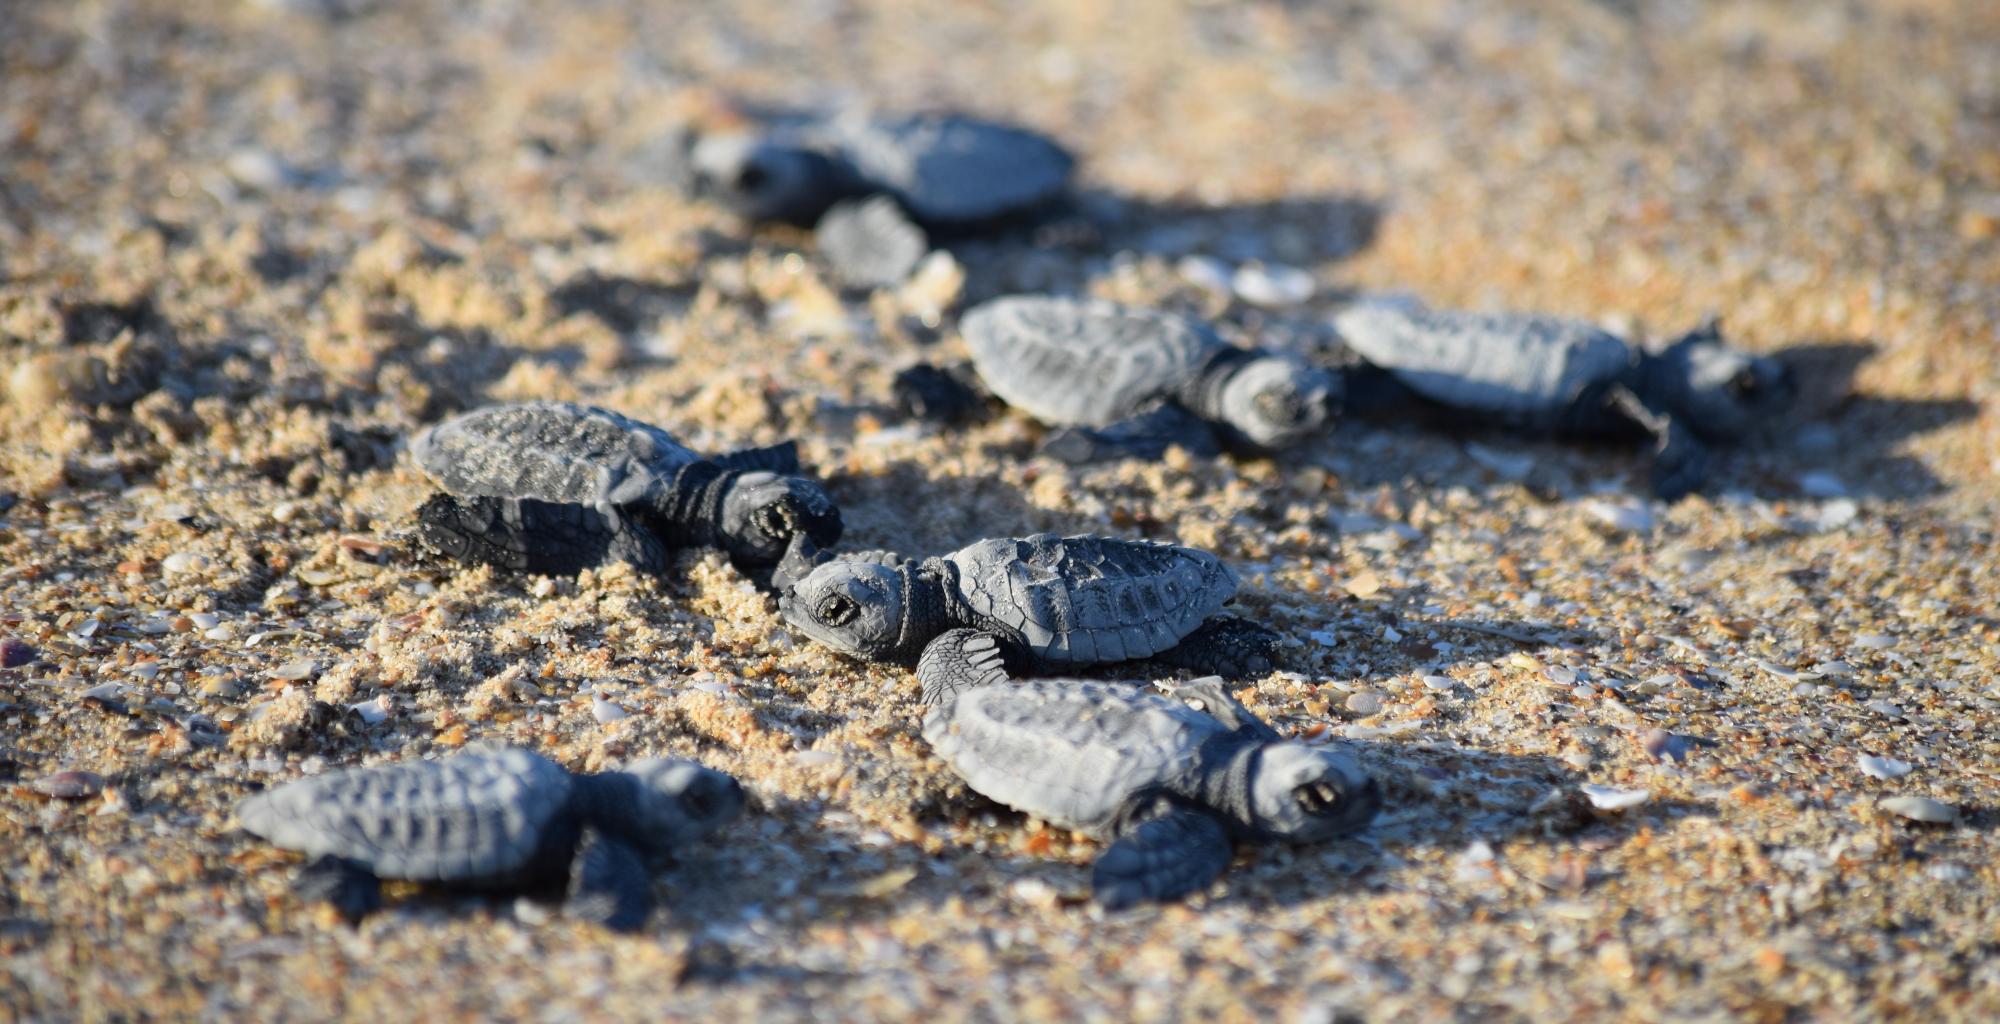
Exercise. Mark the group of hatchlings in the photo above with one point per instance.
(1170, 780)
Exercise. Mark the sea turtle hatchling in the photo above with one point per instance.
(943, 170)
(1128, 382)
(1545, 373)
(557, 487)
(1169, 781)
(1054, 602)
(493, 819)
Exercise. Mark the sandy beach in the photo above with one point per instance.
(249, 247)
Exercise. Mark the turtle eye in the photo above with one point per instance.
(837, 610)
(1743, 386)
(697, 803)
(1317, 798)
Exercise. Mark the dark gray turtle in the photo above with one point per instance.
(1169, 781)
(1550, 374)
(493, 820)
(943, 170)
(1055, 601)
(869, 243)
(1127, 382)
(556, 487)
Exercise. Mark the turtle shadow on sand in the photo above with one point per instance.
(1832, 427)
(1052, 253)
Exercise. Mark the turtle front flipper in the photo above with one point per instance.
(609, 885)
(781, 458)
(1162, 859)
(1223, 706)
(1225, 646)
(1680, 460)
(538, 537)
(352, 890)
(1146, 436)
(959, 660)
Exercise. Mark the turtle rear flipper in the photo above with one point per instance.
(959, 660)
(1680, 460)
(538, 537)
(1146, 436)
(782, 459)
(1225, 646)
(1163, 859)
(609, 885)
(353, 891)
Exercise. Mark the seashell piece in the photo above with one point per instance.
(1611, 798)
(1920, 808)
(1882, 767)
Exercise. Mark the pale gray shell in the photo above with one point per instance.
(551, 451)
(869, 243)
(1523, 367)
(1084, 600)
(471, 816)
(1069, 751)
(952, 168)
(1083, 362)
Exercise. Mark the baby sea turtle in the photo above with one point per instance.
(941, 169)
(556, 487)
(1545, 373)
(493, 820)
(1053, 601)
(1170, 781)
(869, 243)
(1126, 382)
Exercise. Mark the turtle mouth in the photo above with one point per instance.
(1319, 798)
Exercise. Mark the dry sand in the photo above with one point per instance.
(247, 248)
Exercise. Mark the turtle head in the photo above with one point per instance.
(1723, 392)
(678, 802)
(762, 180)
(1307, 793)
(1275, 401)
(853, 607)
(763, 512)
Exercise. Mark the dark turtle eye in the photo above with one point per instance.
(1743, 386)
(837, 610)
(751, 178)
(1317, 797)
(697, 803)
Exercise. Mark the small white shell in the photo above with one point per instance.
(1882, 767)
(1611, 798)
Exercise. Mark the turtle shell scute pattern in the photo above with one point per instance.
(1083, 362)
(468, 817)
(1084, 600)
(1069, 751)
(955, 169)
(1523, 367)
(551, 451)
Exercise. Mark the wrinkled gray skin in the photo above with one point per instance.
(494, 819)
(1170, 782)
(1058, 601)
(628, 485)
(1550, 374)
(1128, 382)
(943, 170)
